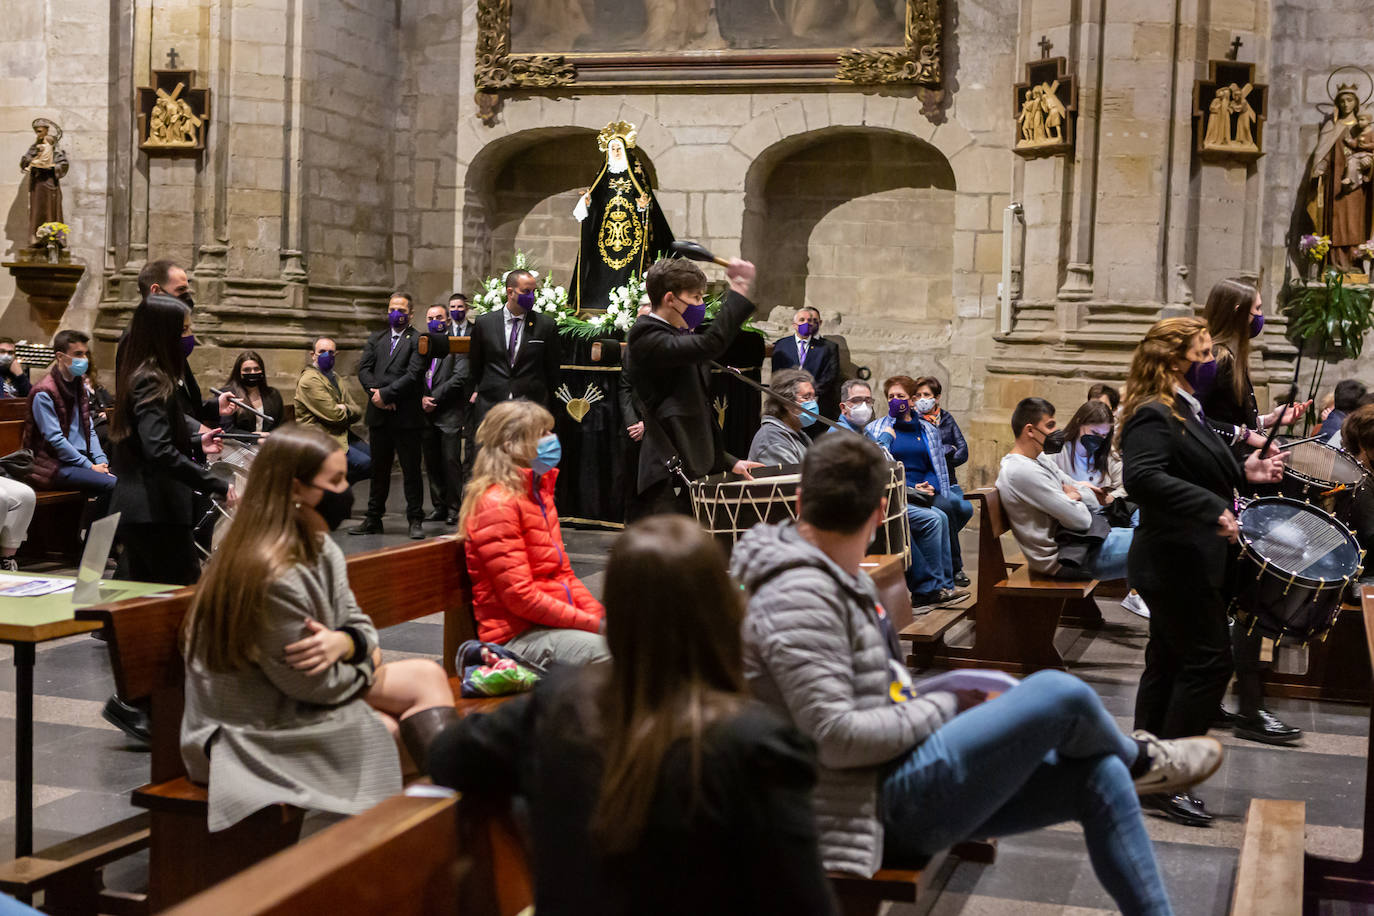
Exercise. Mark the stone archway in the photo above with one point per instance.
(858, 222)
(520, 194)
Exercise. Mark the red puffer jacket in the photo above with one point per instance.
(521, 576)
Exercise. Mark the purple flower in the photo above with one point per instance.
(1308, 242)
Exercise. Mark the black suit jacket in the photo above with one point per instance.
(822, 361)
(1183, 476)
(535, 372)
(447, 386)
(669, 375)
(155, 476)
(396, 374)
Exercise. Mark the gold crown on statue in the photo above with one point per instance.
(1347, 87)
(622, 129)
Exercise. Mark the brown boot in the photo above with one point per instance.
(418, 730)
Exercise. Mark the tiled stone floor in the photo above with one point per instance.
(85, 769)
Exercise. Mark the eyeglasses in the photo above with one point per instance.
(857, 401)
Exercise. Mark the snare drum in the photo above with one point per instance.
(1295, 564)
(727, 505)
(1323, 475)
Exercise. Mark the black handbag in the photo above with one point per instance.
(17, 465)
(915, 497)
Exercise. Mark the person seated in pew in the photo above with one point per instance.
(60, 430)
(287, 699)
(856, 406)
(1357, 434)
(321, 401)
(17, 502)
(248, 383)
(906, 773)
(654, 784)
(1344, 401)
(525, 595)
(781, 438)
(14, 377)
(1041, 501)
(1089, 457)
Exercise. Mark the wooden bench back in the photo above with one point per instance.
(992, 524)
(1367, 612)
(14, 409)
(11, 434)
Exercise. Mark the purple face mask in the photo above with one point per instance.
(188, 343)
(1256, 325)
(804, 329)
(694, 314)
(437, 325)
(397, 318)
(897, 406)
(1202, 376)
(325, 360)
(525, 300)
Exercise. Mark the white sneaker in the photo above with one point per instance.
(1136, 605)
(1177, 764)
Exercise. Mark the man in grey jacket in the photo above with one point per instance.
(903, 773)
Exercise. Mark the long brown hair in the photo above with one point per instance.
(1091, 413)
(507, 441)
(673, 625)
(266, 538)
(1152, 376)
(1227, 314)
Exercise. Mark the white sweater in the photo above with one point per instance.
(1033, 495)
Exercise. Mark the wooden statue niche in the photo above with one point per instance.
(1228, 113)
(173, 115)
(1046, 108)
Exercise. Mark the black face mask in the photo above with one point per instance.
(335, 508)
(252, 379)
(186, 298)
(1092, 444)
(1054, 443)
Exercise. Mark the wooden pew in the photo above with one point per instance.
(1269, 873)
(1017, 612)
(55, 530)
(392, 585)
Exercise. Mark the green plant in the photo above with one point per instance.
(1327, 321)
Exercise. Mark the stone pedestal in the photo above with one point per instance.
(49, 286)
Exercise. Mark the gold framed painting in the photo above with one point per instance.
(615, 44)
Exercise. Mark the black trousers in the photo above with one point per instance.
(443, 453)
(1187, 661)
(158, 553)
(1249, 670)
(387, 445)
(658, 499)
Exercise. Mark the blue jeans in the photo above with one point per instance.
(931, 567)
(359, 462)
(958, 510)
(1042, 754)
(1108, 561)
(71, 477)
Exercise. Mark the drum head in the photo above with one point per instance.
(1319, 461)
(1298, 539)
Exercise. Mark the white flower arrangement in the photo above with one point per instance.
(622, 308)
(550, 299)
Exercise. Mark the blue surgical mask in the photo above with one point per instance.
(547, 456)
(810, 411)
(79, 366)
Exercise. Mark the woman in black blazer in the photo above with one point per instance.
(154, 446)
(1234, 316)
(1186, 481)
(248, 383)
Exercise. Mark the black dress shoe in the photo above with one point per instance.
(1226, 719)
(417, 532)
(131, 720)
(1266, 728)
(438, 515)
(451, 519)
(1181, 808)
(367, 527)
(962, 580)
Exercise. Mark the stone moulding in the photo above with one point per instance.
(497, 70)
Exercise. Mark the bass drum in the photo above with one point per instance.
(1324, 476)
(1296, 562)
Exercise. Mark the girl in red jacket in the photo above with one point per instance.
(524, 593)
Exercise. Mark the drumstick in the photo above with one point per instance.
(780, 397)
(237, 403)
(1301, 441)
(695, 251)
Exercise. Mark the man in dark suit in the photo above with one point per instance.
(390, 372)
(668, 372)
(805, 349)
(441, 398)
(514, 351)
(460, 325)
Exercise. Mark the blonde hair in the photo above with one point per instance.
(267, 537)
(506, 441)
(1152, 376)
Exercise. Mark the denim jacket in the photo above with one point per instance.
(882, 431)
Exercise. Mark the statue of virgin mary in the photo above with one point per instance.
(623, 228)
(1343, 211)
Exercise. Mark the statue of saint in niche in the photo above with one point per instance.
(1342, 197)
(46, 165)
(1042, 116)
(172, 122)
(623, 227)
(1231, 120)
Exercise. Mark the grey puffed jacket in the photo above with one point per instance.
(815, 651)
